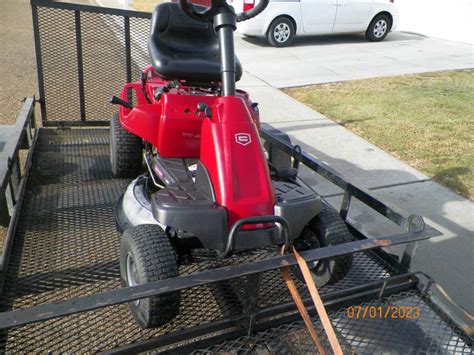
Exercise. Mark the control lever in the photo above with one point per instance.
(118, 101)
(202, 107)
(159, 92)
(143, 80)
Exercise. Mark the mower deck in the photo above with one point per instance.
(66, 246)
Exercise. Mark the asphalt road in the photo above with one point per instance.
(17, 58)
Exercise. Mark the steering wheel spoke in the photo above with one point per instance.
(208, 14)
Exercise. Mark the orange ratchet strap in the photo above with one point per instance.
(318, 303)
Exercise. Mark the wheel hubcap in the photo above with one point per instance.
(315, 265)
(281, 33)
(310, 242)
(380, 28)
(132, 275)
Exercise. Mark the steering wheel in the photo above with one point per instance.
(216, 6)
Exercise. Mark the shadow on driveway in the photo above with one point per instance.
(325, 40)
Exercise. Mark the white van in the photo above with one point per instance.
(283, 19)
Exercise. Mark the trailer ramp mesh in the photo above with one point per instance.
(86, 57)
(66, 246)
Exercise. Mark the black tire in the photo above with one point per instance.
(149, 249)
(281, 32)
(125, 151)
(378, 28)
(326, 229)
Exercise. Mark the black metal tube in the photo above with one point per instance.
(268, 318)
(39, 62)
(128, 49)
(48, 311)
(80, 65)
(226, 47)
(285, 230)
(391, 212)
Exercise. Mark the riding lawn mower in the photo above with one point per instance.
(202, 177)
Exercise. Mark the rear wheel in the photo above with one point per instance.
(324, 230)
(125, 151)
(146, 255)
(378, 28)
(281, 32)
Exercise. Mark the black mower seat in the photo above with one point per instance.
(183, 48)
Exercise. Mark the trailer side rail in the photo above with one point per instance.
(280, 142)
(13, 176)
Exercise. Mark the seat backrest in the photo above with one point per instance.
(171, 28)
(183, 48)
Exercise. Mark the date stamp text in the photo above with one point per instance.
(384, 312)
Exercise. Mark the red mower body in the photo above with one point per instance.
(226, 141)
(232, 153)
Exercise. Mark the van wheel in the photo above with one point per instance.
(281, 32)
(378, 28)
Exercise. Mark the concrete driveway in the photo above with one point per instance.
(322, 59)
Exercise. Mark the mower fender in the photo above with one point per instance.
(297, 204)
(133, 208)
(298, 214)
(143, 119)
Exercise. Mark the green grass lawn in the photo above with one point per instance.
(427, 120)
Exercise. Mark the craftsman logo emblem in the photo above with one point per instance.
(243, 139)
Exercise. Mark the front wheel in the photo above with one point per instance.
(146, 255)
(324, 230)
(281, 32)
(378, 28)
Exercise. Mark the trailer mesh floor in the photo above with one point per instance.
(429, 334)
(66, 246)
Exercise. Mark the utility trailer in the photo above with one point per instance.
(59, 265)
